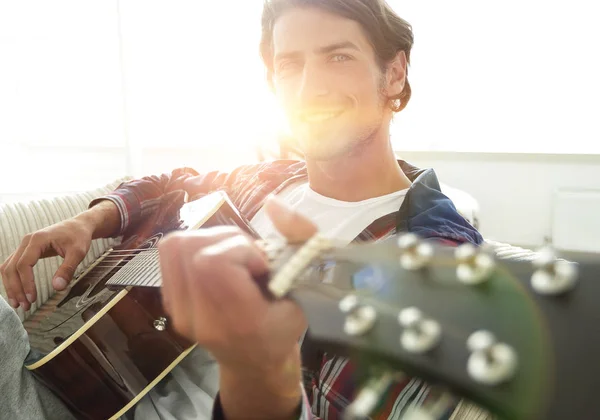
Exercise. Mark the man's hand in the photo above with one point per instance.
(71, 239)
(211, 295)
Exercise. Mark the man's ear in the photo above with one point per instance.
(396, 75)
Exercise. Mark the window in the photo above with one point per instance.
(61, 106)
(510, 76)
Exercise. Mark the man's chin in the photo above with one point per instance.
(325, 152)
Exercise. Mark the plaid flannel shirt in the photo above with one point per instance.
(425, 211)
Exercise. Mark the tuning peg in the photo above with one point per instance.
(415, 252)
(474, 265)
(490, 362)
(552, 276)
(368, 397)
(420, 334)
(359, 318)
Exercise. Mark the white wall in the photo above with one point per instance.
(515, 191)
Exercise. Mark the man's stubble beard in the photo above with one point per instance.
(313, 150)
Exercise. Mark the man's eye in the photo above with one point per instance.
(338, 58)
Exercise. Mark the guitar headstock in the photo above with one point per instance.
(521, 338)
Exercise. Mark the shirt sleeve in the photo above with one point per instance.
(138, 198)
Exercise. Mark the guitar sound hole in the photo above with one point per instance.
(101, 284)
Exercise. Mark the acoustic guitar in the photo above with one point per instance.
(103, 343)
(518, 338)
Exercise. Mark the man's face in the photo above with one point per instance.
(328, 81)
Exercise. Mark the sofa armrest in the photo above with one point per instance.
(21, 218)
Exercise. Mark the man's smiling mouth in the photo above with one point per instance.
(319, 116)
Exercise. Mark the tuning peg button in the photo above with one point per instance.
(359, 318)
(415, 252)
(553, 276)
(490, 362)
(474, 265)
(420, 334)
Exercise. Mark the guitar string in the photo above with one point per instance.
(114, 258)
(260, 242)
(152, 257)
(130, 268)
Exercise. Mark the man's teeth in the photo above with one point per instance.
(318, 117)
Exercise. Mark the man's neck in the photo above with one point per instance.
(373, 172)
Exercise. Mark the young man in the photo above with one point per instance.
(339, 69)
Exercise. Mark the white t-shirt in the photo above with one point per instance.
(339, 220)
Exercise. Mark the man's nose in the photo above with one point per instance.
(313, 85)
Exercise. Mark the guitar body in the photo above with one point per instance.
(105, 353)
(101, 348)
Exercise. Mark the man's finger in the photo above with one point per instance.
(11, 277)
(25, 264)
(174, 286)
(66, 271)
(10, 280)
(240, 250)
(291, 224)
(184, 244)
(228, 288)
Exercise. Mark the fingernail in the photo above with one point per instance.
(23, 304)
(60, 283)
(29, 297)
(13, 303)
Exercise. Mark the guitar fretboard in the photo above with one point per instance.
(143, 270)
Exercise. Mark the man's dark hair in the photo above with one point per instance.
(387, 32)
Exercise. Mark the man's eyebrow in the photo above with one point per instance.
(337, 46)
(321, 50)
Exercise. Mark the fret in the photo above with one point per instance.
(126, 274)
(149, 278)
(156, 279)
(141, 270)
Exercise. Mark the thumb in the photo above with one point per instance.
(291, 224)
(65, 272)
